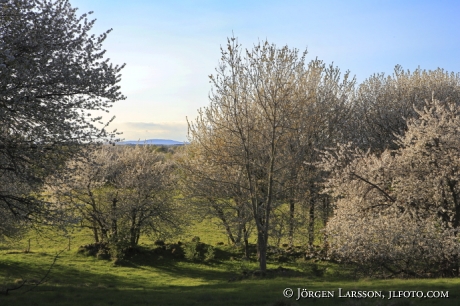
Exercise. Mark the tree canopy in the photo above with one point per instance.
(400, 211)
(53, 78)
(267, 112)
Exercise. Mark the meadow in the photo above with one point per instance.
(148, 279)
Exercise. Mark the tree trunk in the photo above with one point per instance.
(114, 220)
(133, 231)
(325, 210)
(132, 237)
(325, 246)
(246, 243)
(104, 236)
(241, 225)
(291, 221)
(262, 251)
(138, 235)
(94, 229)
(311, 223)
(455, 222)
(96, 236)
(228, 230)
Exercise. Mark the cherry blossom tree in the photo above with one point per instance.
(400, 211)
(267, 112)
(120, 193)
(201, 184)
(53, 77)
(383, 103)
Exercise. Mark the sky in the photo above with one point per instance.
(171, 47)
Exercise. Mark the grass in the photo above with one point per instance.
(152, 280)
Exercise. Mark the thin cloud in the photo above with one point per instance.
(153, 130)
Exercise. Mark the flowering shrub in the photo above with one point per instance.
(399, 212)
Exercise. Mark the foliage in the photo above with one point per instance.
(400, 211)
(210, 253)
(267, 108)
(200, 186)
(192, 250)
(53, 75)
(382, 104)
(197, 251)
(121, 193)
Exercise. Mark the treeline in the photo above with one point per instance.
(376, 162)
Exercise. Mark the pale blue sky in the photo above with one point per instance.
(170, 47)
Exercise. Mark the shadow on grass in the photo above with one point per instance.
(78, 280)
(234, 268)
(267, 293)
(177, 265)
(176, 269)
(79, 270)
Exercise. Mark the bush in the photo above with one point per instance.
(192, 251)
(118, 248)
(103, 254)
(397, 212)
(94, 249)
(176, 250)
(210, 254)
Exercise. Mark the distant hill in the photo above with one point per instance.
(157, 142)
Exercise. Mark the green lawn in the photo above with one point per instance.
(144, 280)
